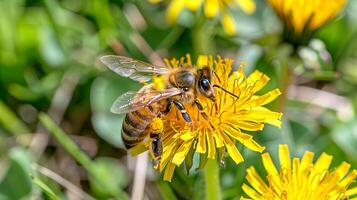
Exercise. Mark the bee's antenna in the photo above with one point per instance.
(217, 86)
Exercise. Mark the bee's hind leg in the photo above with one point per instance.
(155, 148)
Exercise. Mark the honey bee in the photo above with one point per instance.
(183, 84)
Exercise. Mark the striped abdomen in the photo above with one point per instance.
(134, 125)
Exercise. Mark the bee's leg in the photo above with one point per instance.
(183, 111)
(155, 145)
(200, 108)
(168, 107)
(155, 148)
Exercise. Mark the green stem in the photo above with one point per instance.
(202, 38)
(66, 142)
(171, 38)
(11, 122)
(213, 189)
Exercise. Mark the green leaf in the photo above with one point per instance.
(22, 93)
(16, 184)
(322, 75)
(45, 189)
(222, 154)
(51, 50)
(344, 134)
(203, 161)
(189, 159)
(112, 176)
(104, 91)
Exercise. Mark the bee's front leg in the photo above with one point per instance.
(167, 108)
(183, 111)
(200, 108)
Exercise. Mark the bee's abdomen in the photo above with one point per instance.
(134, 125)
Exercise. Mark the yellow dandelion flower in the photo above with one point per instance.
(211, 9)
(300, 179)
(228, 117)
(301, 15)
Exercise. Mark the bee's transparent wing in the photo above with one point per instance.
(132, 101)
(134, 69)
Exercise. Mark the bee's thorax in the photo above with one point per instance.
(182, 79)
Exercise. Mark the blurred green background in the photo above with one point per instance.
(50, 74)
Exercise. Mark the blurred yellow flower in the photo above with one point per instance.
(301, 179)
(227, 119)
(211, 9)
(304, 14)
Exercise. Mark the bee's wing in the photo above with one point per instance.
(134, 69)
(132, 101)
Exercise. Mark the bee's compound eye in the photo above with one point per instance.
(205, 84)
(185, 89)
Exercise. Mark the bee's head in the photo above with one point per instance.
(204, 83)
